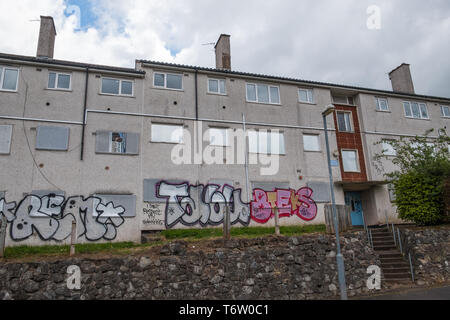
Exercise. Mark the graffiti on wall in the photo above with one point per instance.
(287, 202)
(205, 204)
(153, 216)
(199, 204)
(51, 217)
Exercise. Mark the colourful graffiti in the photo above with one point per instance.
(205, 204)
(287, 202)
(51, 217)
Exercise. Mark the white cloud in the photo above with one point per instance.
(313, 40)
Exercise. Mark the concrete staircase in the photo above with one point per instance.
(394, 267)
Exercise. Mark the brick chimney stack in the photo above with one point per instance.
(47, 34)
(223, 52)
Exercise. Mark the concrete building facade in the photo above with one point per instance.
(123, 151)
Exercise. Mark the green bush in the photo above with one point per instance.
(419, 198)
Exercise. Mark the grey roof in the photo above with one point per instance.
(70, 63)
(300, 81)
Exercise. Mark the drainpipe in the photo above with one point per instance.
(84, 114)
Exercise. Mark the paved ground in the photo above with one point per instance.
(442, 293)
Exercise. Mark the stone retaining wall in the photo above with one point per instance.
(268, 268)
(430, 252)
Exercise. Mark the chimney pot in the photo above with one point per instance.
(401, 79)
(223, 52)
(47, 34)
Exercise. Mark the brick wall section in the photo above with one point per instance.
(351, 140)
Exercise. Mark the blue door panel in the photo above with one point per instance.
(353, 199)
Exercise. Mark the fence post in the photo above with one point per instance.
(73, 238)
(227, 224)
(277, 225)
(3, 223)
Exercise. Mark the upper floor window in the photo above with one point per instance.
(388, 148)
(311, 142)
(445, 111)
(168, 81)
(350, 160)
(305, 95)
(5, 139)
(216, 86)
(218, 137)
(59, 81)
(8, 78)
(415, 110)
(263, 93)
(167, 133)
(344, 121)
(115, 142)
(117, 87)
(266, 142)
(382, 104)
(343, 100)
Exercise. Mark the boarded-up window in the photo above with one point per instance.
(119, 201)
(321, 191)
(150, 189)
(5, 139)
(117, 142)
(52, 138)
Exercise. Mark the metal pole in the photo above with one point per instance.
(387, 220)
(393, 232)
(246, 159)
(399, 240)
(73, 238)
(277, 225)
(339, 257)
(371, 241)
(3, 223)
(411, 266)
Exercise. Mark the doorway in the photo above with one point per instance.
(353, 200)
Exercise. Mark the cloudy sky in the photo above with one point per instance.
(332, 41)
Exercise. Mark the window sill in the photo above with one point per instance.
(313, 151)
(59, 90)
(166, 142)
(412, 118)
(8, 91)
(269, 154)
(217, 94)
(384, 111)
(265, 103)
(444, 117)
(352, 171)
(169, 89)
(308, 103)
(117, 95)
(117, 154)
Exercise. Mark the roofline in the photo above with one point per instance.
(290, 80)
(70, 64)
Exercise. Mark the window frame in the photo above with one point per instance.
(2, 78)
(56, 81)
(358, 169)
(166, 125)
(227, 137)
(410, 103)
(269, 152)
(269, 86)
(165, 81)
(443, 113)
(377, 102)
(309, 93)
(218, 86)
(318, 142)
(120, 94)
(343, 96)
(350, 120)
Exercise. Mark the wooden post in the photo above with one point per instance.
(73, 238)
(227, 224)
(3, 223)
(277, 224)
